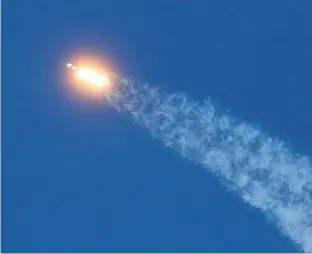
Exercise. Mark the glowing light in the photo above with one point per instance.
(92, 77)
(89, 80)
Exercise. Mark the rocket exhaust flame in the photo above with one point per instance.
(90, 76)
(88, 82)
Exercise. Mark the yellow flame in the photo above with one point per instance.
(89, 81)
(92, 77)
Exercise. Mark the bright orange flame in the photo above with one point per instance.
(88, 82)
(93, 78)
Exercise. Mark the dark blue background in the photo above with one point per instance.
(81, 177)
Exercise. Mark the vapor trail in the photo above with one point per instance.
(260, 169)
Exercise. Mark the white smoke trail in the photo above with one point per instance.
(260, 169)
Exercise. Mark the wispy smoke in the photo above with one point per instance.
(260, 169)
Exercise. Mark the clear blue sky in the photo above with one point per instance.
(83, 178)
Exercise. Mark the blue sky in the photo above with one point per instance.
(78, 177)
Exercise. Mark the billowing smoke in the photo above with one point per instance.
(260, 169)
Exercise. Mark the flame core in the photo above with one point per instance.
(92, 77)
(88, 82)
